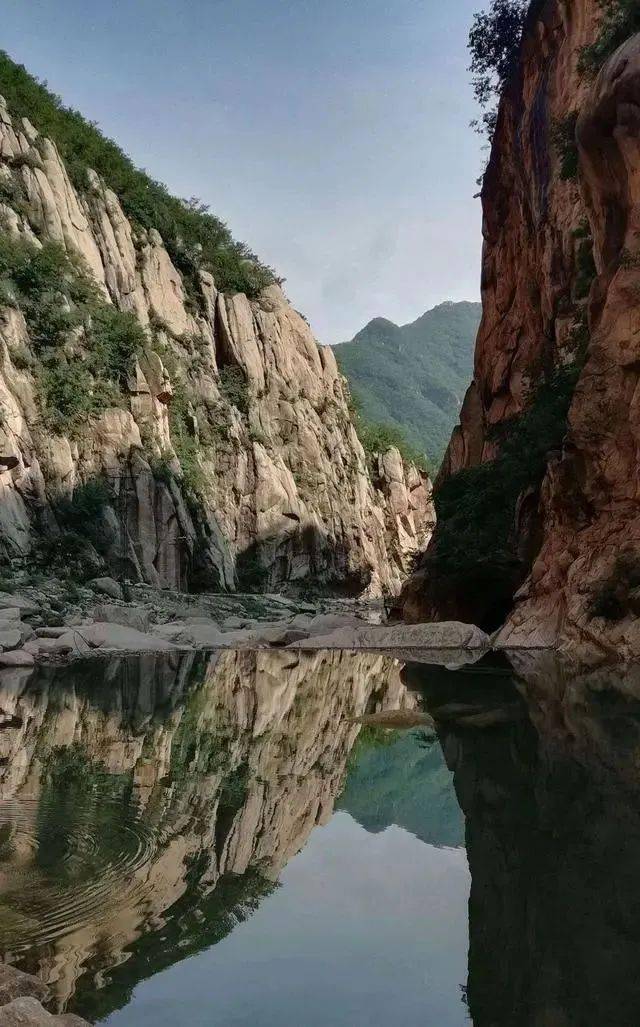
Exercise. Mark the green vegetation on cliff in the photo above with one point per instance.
(494, 45)
(194, 237)
(476, 546)
(82, 348)
(411, 380)
(620, 20)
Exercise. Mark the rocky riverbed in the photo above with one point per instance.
(52, 622)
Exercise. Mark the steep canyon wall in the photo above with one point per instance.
(558, 353)
(284, 490)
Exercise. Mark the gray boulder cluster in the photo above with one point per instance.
(114, 626)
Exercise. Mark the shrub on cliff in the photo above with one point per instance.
(494, 44)
(194, 237)
(233, 386)
(378, 438)
(83, 346)
(620, 20)
(563, 137)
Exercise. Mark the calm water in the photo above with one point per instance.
(218, 840)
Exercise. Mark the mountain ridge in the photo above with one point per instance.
(432, 370)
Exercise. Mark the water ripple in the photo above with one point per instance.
(62, 868)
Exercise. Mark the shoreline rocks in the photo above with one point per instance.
(21, 998)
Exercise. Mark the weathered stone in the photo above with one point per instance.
(10, 638)
(16, 658)
(17, 602)
(281, 635)
(129, 616)
(196, 632)
(322, 623)
(443, 635)
(233, 623)
(16, 984)
(560, 280)
(106, 586)
(113, 638)
(28, 1012)
(49, 647)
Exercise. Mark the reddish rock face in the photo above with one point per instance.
(537, 287)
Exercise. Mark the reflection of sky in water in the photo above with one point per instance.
(367, 929)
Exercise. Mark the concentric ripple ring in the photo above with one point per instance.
(62, 868)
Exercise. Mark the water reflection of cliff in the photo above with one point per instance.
(550, 787)
(147, 806)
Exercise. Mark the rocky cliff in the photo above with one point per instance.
(224, 456)
(538, 497)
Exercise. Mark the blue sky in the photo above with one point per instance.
(332, 135)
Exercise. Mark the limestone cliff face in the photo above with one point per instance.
(560, 281)
(288, 489)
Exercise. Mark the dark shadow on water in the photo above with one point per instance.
(552, 808)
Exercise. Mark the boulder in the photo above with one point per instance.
(9, 614)
(113, 638)
(107, 587)
(279, 635)
(444, 635)
(25, 631)
(50, 632)
(14, 602)
(16, 984)
(301, 620)
(10, 638)
(136, 617)
(243, 638)
(49, 647)
(28, 1012)
(198, 620)
(200, 633)
(17, 658)
(323, 623)
(233, 623)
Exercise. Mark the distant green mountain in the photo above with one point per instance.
(414, 377)
(400, 780)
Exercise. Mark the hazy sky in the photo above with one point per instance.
(331, 135)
